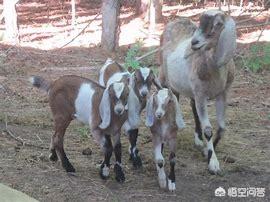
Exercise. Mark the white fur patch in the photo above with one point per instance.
(117, 77)
(158, 154)
(162, 95)
(105, 171)
(162, 177)
(83, 103)
(197, 140)
(102, 70)
(213, 165)
(145, 71)
(179, 69)
(171, 185)
(118, 89)
(32, 80)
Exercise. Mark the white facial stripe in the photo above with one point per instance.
(118, 89)
(162, 95)
(143, 89)
(145, 71)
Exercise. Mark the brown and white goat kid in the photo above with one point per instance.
(104, 109)
(140, 84)
(164, 117)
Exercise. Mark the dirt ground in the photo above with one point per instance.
(26, 113)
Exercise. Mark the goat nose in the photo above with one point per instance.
(119, 111)
(144, 93)
(194, 41)
(158, 115)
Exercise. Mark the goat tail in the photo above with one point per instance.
(39, 82)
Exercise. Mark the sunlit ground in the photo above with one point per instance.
(48, 27)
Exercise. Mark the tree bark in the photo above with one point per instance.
(73, 13)
(142, 7)
(110, 24)
(158, 10)
(154, 11)
(11, 24)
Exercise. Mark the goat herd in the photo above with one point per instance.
(195, 61)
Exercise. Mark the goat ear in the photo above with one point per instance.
(157, 82)
(226, 46)
(178, 114)
(134, 108)
(105, 109)
(149, 112)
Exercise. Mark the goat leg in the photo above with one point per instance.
(57, 144)
(159, 160)
(201, 107)
(171, 177)
(118, 169)
(198, 139)
(220, 111)
(134, 152)
(107, 149)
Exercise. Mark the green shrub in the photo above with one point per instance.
(136, 51)
(258, 58)
(130, 59)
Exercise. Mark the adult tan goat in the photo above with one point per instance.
(198, 63)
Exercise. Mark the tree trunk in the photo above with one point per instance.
(110, 24)
(158, 9)
(11, 25)
(73, 13)
(142, 7)
(154, 11)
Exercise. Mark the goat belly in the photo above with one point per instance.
(83, 103)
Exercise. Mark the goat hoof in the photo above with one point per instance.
(104, 172)
(119, 174)
(69, 168)
(53, 156)
(137, 162)
(162, 183)
(213, 166)
(171, 185)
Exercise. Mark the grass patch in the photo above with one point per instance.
(258, 58)
(83, 132)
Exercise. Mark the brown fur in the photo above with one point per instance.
(62, 95)
(112, 69)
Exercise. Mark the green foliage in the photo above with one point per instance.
(130, 59)
(259, 57)
(136, 51)
(83, 132)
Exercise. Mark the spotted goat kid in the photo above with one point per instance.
(104, 109)
(164, 117)
(140, 82)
